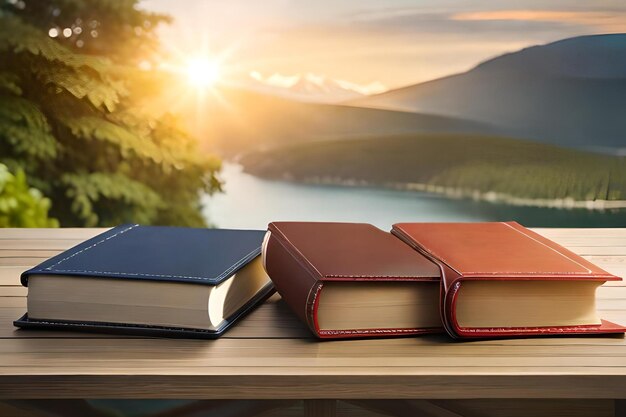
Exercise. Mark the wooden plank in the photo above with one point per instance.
(19, 302)
(599, 250)
(38, 244)
(222, 384)
(583, 232)
(23, 262)
(611, 292)
(611, 263)
(81, 233)
(172, 356)
(610, 305)
(10, 275)
(615, 316)
(395, 371)
(18, 253)
(574, 242)
(607, 259)
(12, 291)
(584, 240)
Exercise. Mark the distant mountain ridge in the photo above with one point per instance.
(310, 87)
(570, 93)
(242, 120)
(594, 56)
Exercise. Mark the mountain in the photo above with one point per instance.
(310, 87)
(235, 120)
(595, 56)
(571, 93)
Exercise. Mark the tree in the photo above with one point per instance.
(71, 92)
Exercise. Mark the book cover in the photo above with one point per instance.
(153, 254)
(507, 252)
(306, 259)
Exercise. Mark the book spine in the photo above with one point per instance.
(295, 283)
(449, 278)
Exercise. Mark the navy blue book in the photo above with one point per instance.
(150, 280)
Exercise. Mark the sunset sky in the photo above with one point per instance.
(374, 43)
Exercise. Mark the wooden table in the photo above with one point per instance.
(271, 356)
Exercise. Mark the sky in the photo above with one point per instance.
(374, 44)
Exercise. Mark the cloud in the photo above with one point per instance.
(420, 23)
(608, 21)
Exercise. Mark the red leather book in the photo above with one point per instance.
(352, 280)
(502, 280)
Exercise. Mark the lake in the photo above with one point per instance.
(251, 203)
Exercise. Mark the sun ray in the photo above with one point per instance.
(202, 72)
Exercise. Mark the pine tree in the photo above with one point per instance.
(71, 118)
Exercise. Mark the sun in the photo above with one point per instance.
(202, 72)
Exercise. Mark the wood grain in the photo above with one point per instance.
(304, 386)
(271, 355)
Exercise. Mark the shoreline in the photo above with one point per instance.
(458, 193)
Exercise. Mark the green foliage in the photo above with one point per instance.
(10, 83)
(21, 205)
(72, 118)
(519, 168)
(25, 129)
(100, 92)
(132, 199)
(113, 28)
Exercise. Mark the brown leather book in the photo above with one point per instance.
(352, 280)
(501, 280)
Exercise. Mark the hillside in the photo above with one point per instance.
(496, 168)
(238, 120)
(594, 56)
(569, 93)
